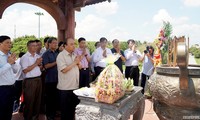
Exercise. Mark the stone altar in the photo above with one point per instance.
(132, 103)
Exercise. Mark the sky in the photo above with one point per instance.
(119, 19)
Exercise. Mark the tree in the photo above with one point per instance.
(19, 44)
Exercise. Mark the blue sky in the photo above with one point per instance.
(121, 19)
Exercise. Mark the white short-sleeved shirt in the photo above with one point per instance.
(148, 66)
(28, 60)
(98, 57)
(132, 58)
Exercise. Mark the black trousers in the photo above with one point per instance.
(18, 91)
(84, 78)
(69, 101)
(133, 72)
(98, 70)
(143, 81)
(51, 99)
(6, 102)
(42, 105)
(32, 98)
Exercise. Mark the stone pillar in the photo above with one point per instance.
(70, 19)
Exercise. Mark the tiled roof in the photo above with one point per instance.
(90, 2)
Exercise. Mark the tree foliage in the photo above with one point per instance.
(195, 51)
(19, 44)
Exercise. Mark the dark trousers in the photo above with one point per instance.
(32, 98)
(98, 70)
(143, 81)
(94, 76)
(84, 78)
(133, 72)
(68, 104)
(42, 105)
(6, 102)
(18, 91)
(51, 99)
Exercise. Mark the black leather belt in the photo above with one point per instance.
(100, 67)
(32, 78)
(85, 69)
(6, 86)
(132, 66)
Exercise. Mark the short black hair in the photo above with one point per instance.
(21, 54)
(96, 44)
(51, 39)
(37, 41)
(81, 39)
(46, 39)
(102, 39)
(115, 40)
(60, 43)
(30, 41)
(3, 38)
(131, 40)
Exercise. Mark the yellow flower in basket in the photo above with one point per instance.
(111, 58)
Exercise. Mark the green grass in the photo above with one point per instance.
(197, 60)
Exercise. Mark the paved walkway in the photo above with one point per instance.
(149, 114)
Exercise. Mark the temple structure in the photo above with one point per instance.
(63, 11)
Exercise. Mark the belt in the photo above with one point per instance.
(6, 86)
(100, 67)
(84, 68)
(132, 66)
(32, 78)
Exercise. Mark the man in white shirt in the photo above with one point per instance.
(99, 55)
(68, 64)
(18, 84)
(133, 57)
(7, 79)
(92, 64)
(31, 63)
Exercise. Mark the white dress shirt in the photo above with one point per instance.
(132, 58)
(6, 71)
(28, 60)
(92, 64)
(19, 74)
(98, 58)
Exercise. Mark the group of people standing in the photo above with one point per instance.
(49, 75)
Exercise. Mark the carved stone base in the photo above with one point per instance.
(166, 112)
(132, 103)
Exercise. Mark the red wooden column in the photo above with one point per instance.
(61, 35)
(70, 19)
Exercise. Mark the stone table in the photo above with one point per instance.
(132, 103)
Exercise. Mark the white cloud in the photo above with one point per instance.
(145, 24)
(162, 15)
(106, 8)
(118, 33)
(192, 3)
(189, 30)
(26, 23)
(91, 26)
(181, 25)
(180, 20)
